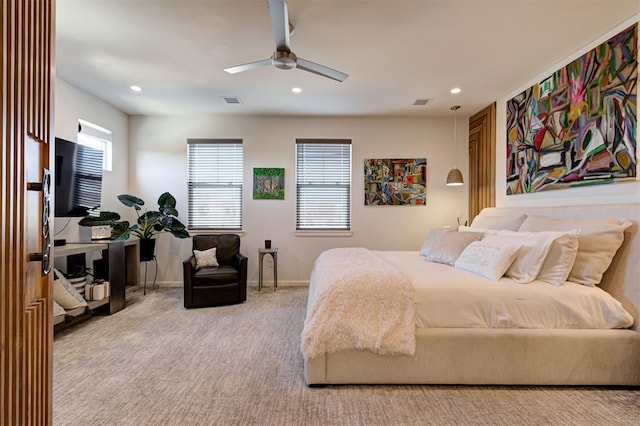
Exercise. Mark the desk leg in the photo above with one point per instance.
(275, 271)
(260, 271)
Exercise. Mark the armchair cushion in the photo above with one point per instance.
(224, 274)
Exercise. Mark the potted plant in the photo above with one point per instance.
(149, 223)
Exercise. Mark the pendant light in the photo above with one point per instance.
(454, 178)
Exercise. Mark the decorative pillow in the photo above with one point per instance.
(65, 294)
(448, 247)
(485, 231)
(487, 221)
(487, 259)
(432, 236)
(562, 255)
(532, 254)
(57, 309)
(206, 258)
(598, 242)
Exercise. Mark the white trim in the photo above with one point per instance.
(193, 232)
(323, 233)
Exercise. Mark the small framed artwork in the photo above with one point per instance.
(268, 183)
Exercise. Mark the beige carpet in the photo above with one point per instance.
(156, 363)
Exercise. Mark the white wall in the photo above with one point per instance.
(71, 104)
(620, 193)
(158, 163)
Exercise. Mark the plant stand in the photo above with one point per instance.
(155, 285)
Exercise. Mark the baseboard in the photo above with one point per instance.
(289, 283)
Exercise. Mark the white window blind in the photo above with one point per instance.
(323, 184)
(215, 183)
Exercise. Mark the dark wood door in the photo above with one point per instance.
(25, 301)
(482, 160)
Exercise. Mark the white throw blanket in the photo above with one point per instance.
(358, 301)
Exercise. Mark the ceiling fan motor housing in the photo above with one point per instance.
(284, 59)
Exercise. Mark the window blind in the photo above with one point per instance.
(323, 184)
(87, 182)
(215, 183)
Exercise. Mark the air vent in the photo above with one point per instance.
(232, 99)
(422, 102)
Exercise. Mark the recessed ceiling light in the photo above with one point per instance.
(456, 90)
(136, 88)
(296, 90)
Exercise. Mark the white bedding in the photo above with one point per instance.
(382, 319)
(446, 297)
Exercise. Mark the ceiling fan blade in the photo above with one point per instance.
(249, 66)
(280, 23)
(309, 66)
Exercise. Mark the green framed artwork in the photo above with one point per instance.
(268, 183)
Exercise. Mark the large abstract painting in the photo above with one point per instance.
(395, 181)
(578, 126)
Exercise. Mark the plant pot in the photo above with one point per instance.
(147, 249)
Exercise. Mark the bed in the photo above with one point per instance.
(511, 349)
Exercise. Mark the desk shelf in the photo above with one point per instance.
(121, 268)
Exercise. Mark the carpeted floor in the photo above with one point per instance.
(156, 363)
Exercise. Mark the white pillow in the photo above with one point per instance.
(486, 221)
(598, 243)
(57, 309)
(65, 294)
(486, 259)
(532, 254)
(206, 258)
(448, 247)
(432, 236)
(485, 231)
(562, 255)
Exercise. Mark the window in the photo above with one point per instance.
(323, 184)
(87, 182)
(97, 137)
(215, 183)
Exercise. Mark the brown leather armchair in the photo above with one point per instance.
(223, 285)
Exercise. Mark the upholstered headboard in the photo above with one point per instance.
(622, 279)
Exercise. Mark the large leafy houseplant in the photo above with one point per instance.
(148, 224)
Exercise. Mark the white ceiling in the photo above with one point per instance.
(394, 51)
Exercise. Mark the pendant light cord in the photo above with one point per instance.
(455, 109)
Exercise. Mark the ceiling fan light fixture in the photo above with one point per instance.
(296, 90)
(284, 60)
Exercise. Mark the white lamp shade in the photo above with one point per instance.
(454, 178)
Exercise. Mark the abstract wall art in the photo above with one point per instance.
(578, 126)
(268, 183)
(395, 181)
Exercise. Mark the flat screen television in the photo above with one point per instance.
(78, 179)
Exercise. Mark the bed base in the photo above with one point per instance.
(492, 357)
(521, 356)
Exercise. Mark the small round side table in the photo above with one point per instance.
(274, 255)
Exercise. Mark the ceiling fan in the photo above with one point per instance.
(283, 58)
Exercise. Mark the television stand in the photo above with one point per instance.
(122, 260)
